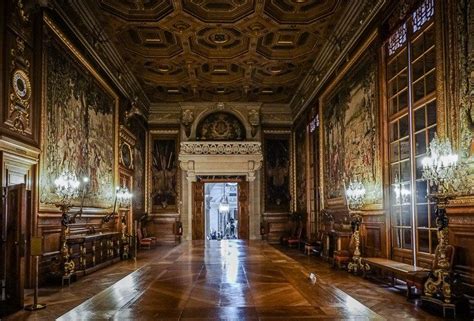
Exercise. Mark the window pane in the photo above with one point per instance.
(432, 215)
(395, 173)
(430, 82)
(403, 99)
(422, 215)
(393, 131)
(423, 241)
(397, 237)
(418, 90)
(404, 149)
(392, 69)
(421, 192)
(406, 215)
(405, 171)
(407, 239)
(420, 118)
(392, 88)
(402, 80)
(418, 70)
(393, 105)
(419, 167)
(431, 133)
(394, 153)
(417, 47)
(429, 37)
(430, 60)
(404, 129)
(420, 143)
(431, 112)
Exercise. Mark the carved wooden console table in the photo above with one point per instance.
(94, 251)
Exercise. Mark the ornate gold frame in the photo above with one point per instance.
(52, 26)
(340, 202)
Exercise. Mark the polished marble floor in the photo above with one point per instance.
(227, 280)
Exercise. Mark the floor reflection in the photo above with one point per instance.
(217, 280)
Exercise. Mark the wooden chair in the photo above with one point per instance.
(147, 236)
(143, 243)
(296, 239)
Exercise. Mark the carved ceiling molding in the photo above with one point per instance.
(83, 23)
(346, 35)
(217, 50)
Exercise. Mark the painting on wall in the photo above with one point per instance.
(220, 126)
(300, 178)
(164, 168)
(139, 153)
(351, 132)
(78, 134)
(277, 178)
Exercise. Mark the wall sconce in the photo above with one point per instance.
(355, 194)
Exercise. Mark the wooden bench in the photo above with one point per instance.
(402, 271)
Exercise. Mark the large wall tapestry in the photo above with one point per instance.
(351, 132)
(78, 133)
(301, 179)
(220, 126)
(164, 175)
(139, 161)
(277, 169)
(466, 72)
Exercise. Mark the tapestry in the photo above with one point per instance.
(139, 153)
(164, 174)
(277, 169)
(220, 126)
(301, 179)
(78, 133)
(351, 132)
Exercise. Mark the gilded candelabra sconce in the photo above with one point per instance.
(447, 177)
(355, 194)
(67, 186)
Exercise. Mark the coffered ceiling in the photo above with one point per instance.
(219, 50)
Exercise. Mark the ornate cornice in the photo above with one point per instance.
(346, 35)
(221, 148)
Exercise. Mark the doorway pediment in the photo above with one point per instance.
(220, 158)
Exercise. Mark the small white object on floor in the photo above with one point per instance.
(312, 277)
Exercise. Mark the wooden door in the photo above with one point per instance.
(198, 211)
(243, 210)
(15, 245)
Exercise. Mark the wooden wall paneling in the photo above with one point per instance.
(198, 211)
(20, 115)
(15, 247)
(276, 225)
(163, 227)
(243, 210)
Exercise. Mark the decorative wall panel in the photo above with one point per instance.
(139, 153)
(277, 174)
(79, 131)
(164, 174)
(300, 164)
(351, 131)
